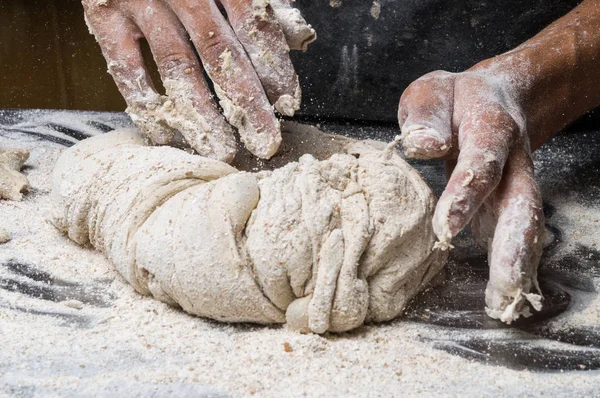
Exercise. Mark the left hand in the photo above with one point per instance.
(244, 53)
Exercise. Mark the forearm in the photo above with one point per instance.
(555, 76)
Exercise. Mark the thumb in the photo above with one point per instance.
(425, 116)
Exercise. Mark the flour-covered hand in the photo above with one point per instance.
(485, 122)
(242, 46)
(474, 122)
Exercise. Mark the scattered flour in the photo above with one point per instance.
(135, 345)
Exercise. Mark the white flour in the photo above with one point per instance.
(138, 346)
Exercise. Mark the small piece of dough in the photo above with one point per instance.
(4, 235)
(320, 245)
(12, 182)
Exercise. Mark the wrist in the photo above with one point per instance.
(554, 77)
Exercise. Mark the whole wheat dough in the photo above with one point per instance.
(12, 182)
(319, 245)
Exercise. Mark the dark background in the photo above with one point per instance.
(357, 69)
(360, 65)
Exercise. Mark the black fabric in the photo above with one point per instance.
(360, 65)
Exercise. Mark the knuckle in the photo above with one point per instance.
(428, 92)
(499, 114)
(175, 62)
(253, 14)
(412, 87)
(241, 12)
(213, 43)
(471, 81)
(490, 165)
(491, 174)
(437, 75)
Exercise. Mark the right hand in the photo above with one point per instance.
(486, 122)
(474, 122)
(245, 54)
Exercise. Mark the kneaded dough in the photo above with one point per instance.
(12, 182)
(319, 245)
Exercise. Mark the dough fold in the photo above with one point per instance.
(322, 245)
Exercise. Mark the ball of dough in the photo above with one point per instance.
(320, 245)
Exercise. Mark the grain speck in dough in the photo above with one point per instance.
(319, 245)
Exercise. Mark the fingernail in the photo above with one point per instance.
(423, 142)
(287, 105)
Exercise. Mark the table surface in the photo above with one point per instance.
(564, 336)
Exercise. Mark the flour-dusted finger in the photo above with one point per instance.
(241, 95)
(264, 42)
(190, 107)
(483, 224)
(298, 33)
(425, 116)
(517, 244)
(485, 138)
(119, 40)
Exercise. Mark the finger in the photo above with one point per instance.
(483, 224)
(122, 52)
(485, 137)
(242, 97)
(259, 32)
(298, 33)
(190, 108)
(425, 116)
(517, 244)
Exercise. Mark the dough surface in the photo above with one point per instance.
(320, 245)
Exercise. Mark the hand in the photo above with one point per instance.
(473, 120)
(485, 122)
(245, 54)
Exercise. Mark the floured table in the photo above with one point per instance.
(69, 325)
